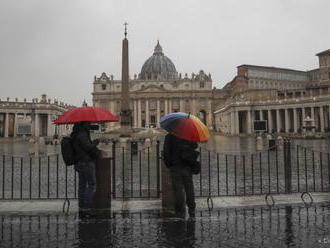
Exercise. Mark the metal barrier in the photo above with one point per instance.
(136, 173)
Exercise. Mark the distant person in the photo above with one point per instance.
(86, 153)
(180, 157)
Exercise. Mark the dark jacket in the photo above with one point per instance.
(85, 149)
(177, 151)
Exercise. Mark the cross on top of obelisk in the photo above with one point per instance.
(125, 24)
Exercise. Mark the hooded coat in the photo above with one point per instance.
(178, 152)
(85, 149)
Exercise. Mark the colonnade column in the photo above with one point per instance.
(313, 117)
(321, 119)
(147, 113)
(6, 125)
(15, 125)
(232, 126)
(49, 125)
(270, 121)
(303, 115)
(295, 120)
(158, 113)
(278, 121)
(139, 113)
(249, 122)
(36, 125)
(236, 122)
(286, 119)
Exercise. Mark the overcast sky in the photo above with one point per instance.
(56, 47)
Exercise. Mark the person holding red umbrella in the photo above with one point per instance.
(85, 150)
(85, 155)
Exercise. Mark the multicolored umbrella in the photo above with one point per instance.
(185, 126)
(86, 113)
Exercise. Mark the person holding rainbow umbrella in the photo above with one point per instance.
(180, 156)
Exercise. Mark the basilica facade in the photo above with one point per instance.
(157, 91)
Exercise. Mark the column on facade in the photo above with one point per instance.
(170, 106)
(249, 122)
(295, 120)
(158, 113)
(193, 110)
(147, 113)
(135, 112)
(321, 119)
(182, 105)
(286, 120)
(278, 121)
(270, 121)
(261, 115)
(139, 112)
(313, 117)
(165, 107)
(6, 124)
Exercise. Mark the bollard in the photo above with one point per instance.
(102, 197)
(280, 143)
(259, 143)
(287, 166)
(167, 190)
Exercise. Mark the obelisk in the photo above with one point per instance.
(125, 113)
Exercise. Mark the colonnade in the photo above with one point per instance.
(280, 119)
(40, 123)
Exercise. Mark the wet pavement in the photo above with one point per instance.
(279, 226)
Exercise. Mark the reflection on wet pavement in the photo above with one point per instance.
(281, 226)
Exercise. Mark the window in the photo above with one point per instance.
(104, 86)
(201, 84)
(20, 116)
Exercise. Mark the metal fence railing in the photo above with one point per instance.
(136, 173)
(44, 177)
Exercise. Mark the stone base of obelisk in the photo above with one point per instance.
(125, 131)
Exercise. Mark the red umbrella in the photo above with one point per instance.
(92, 114)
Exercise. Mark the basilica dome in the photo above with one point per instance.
(158, 66)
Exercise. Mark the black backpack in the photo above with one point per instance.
(67, 151)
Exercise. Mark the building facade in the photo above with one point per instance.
(35, 118)
(156, 91)
(285, 98)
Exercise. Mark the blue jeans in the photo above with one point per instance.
(87, 184)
